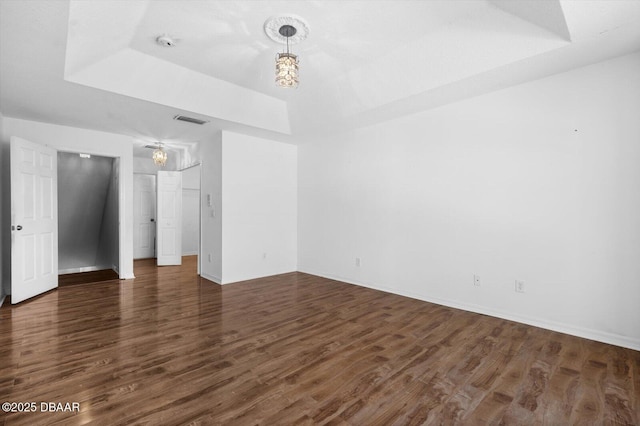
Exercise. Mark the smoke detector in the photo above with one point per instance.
(166, 41)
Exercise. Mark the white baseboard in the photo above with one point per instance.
(190, 253)
(213, 278)
(586, 333)
(83, 269)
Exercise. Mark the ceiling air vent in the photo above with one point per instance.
(190, 119)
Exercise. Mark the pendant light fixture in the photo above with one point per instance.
(286, 30)
(287, 63)
(159, 156)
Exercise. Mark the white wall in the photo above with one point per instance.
(250, 228)
(539, 182)
(190, 211)
(209, 153)
(144, 165)
(73, 139)
(259, 207)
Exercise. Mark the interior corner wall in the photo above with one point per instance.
(72, 139)
(259, 207)
(538, 182)
(210, 154)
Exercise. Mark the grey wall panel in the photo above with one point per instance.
(108, 253)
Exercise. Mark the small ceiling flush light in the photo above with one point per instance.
(287, 63)
(159, 156)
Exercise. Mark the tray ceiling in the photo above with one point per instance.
(96, 64)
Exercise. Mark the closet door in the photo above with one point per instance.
(34, 219)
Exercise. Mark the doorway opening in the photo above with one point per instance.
(88, 217)
(145, 213)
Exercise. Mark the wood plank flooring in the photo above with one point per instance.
(169, 348)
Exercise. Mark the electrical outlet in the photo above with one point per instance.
(476, 280)
(209, 257)
(264, 256)
(519, 286)
(357, 261)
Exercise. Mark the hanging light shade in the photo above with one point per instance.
(287, 70)
(287, 63)
(159, 156)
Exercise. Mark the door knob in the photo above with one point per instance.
(152, 220)
(19, 227)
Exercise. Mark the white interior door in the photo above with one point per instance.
(169, 218)
(34, 219)
(144, 215)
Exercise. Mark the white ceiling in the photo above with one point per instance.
(95, 64)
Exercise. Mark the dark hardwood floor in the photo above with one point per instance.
(87, 277)
(171, 348)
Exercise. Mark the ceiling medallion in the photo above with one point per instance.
(272, 29)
